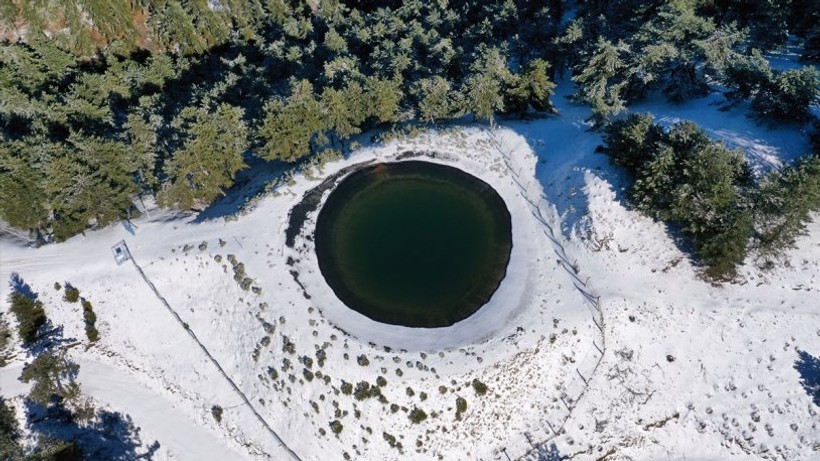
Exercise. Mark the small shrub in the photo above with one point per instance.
(321, 356)
(246, 283)
(479, 387)
(461, 407)
(347, 388)
(391, 440)
(90, 318)
(365, 391)
(417, 415)
(92, 334)
(288, 346)
(442, 390)
(410, 392)
(336, 427)
(362, 360)
(57, 286)
(5, 335)
(71, 294)
(216, 412)
(381, 382)
(307, 374)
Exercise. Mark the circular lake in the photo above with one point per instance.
(413, 243)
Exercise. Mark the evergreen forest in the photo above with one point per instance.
(106, 101)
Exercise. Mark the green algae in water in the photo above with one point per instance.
(413, 243)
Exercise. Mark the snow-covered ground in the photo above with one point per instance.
(691, 370)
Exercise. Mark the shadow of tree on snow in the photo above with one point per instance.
(809, 368)
(18, 285)
(547, 453)
(109, 435)
(49, 336)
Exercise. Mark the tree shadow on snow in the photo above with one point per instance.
(48, 335)
(809, 368)
(18, 285)
(249, 183)
(566, 155)
(109, 435)
(548, 453)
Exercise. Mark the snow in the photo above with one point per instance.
(691, 370)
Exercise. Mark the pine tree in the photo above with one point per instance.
(489, 74)
(292, 127)
(90, 180)
(789, 95)
(708, 199)
(603, 81)
(52, 377)
(383, 98)
(684, 177)
(212, 153)
(672, 52)
(343, 110)
(22, 200)
(632, 141)
(531, 89)
(745, 76)
(10, 448)
(436, 99)
(30, 316)
(141, 129)
(783, 205)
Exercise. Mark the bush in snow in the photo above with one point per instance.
(90, 319)
(336, 426)
(347, 388)
(5, 334)
(71, 294)
(461, 407)
(479, 387)
(417, 415)
(216, 412)
(365, 391)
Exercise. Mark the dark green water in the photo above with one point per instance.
(413, 243)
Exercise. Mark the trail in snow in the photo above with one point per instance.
(158, 418)
(181, 437)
